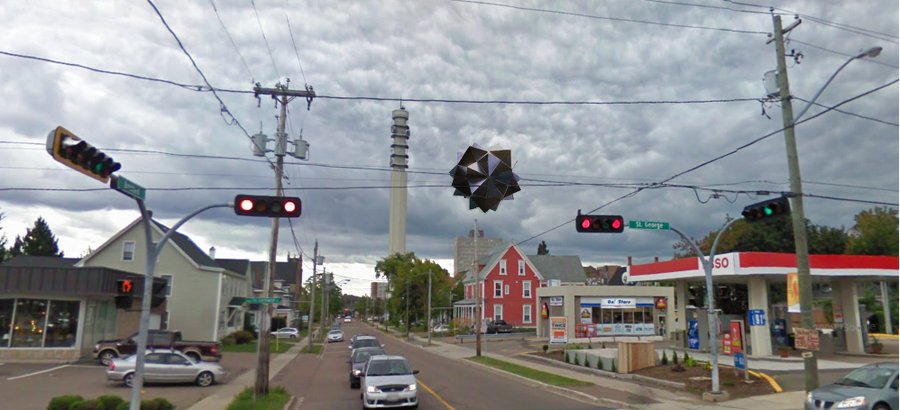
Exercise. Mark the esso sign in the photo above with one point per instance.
(720, 263)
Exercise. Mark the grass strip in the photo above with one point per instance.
(275, 400)
(316, 349)
(543, 377)
(281, 347)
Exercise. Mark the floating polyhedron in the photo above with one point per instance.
(484, 176)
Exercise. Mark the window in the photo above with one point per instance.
(169, 279)
(503, 266)
(521, 268)
(506, 289)
(498, 289)
(128, 251)
(6, 317)
(164, 322)
(526, 313)
(28, 325)
(62, 323)
(498, 312)
(526, 289)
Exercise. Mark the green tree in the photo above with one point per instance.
(408, 275)
(874, 233)
(542, 249)
(4, 253)
(38, 241)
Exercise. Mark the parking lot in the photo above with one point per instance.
(31, 386)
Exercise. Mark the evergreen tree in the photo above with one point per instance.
(38, 241)
(542, 248)
(4, 253)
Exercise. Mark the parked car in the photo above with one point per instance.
(388, 381)
(166, 366)
(358, 362)
(336, 336)
(107, 350)
(440, 329)
(286, 333)
(363, 341)
(871, 387)
(499, 326)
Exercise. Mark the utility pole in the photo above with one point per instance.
(478, 313)
(810, 363)
(312, 299)
(407, 308)
(324, 294)
(428, 322)
(280, 94)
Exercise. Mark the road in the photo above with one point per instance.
(445, 383)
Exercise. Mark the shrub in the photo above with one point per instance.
(690, 362)
(674, 357)
(600, 363)
(686, 357)
(589, 346)
(228, 341)
(603, 345)
(707, 366)
(242, 337)
(124, 406)
(158, 403)
(665, 359)
(614, 370)
(85, 405)
(63, 402)
(545, 348)
(587, 363)
(109, 402)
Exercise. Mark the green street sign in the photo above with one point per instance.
(256, 301)
(648, 225)
(127, 187)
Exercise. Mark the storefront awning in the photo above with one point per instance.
(236, 301)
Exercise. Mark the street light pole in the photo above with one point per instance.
(798, 216)
(428, 322)
(312, 299)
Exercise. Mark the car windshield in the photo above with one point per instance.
(334, 332)
(392, 367)
(366, 343)
(363, 355)
(872, 377)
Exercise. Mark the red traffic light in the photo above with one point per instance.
(125, 287)
(268, 206)
(599, 223)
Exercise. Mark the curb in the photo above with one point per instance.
(581, 369)
(885, 335)
(761, 375)
(560, 390)
(660, 382)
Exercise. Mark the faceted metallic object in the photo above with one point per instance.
(484, 176)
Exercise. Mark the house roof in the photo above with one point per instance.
(284, 271)
(189, 247)
(26, 261)
(566, 268)
(238, 266)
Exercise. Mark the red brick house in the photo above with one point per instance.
(509, 279)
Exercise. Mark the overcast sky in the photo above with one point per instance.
(615, 51)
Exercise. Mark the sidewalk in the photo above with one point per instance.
(667, 399)
(225, 394)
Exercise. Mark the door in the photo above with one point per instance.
(154, 367)
(180, 368)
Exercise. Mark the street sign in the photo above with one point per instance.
(740, 361)
(127, 187)
(663, 226)
(757, 317)
(255, 301)
(806, 339)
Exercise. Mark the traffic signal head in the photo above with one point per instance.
(125, 287)
(766, 210)
(599, 223)
(69, 150)
(269, 206)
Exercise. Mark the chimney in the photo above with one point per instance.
(656, 259)
(629, 261)
(212, 252)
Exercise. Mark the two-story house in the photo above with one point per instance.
(199, 289)
(509, 279)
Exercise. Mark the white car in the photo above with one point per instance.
(388, 381)
(336, 336)
(166, 366)
(347, 319)
(286, 333)
(440, 329)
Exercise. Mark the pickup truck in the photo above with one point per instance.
(107, 350)
(499, 326)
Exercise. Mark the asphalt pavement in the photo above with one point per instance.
(322, 382)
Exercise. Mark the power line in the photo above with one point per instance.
(850, 113)
(567, 13)
(815, 19)
(871, 60)
(290, 30)
(252, 78)
(265, 39)
(222, 107)
(852, 186)
(707, 6)
(834, 198)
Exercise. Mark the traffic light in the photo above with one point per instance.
(269, 206)
(159, 294)
(69, 150)
(766, 210)
(124, 293)
(599, 223)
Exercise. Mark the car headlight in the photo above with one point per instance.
(809, 397)
(852, 402)
(356, 372)
(371, 389)
(412, 387)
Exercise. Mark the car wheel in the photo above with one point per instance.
(293, 336)
(205, 379)
(194, 356)
(128, 380)
(881, 406)
(107, 357)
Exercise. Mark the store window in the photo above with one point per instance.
(29, 320)
(6, 318)
(62, 323)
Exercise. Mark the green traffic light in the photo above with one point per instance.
(768, 211)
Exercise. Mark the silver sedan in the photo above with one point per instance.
(166, 367)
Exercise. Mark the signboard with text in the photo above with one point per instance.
(693, 334)
(558, 330)
(737, 336)
(757, 317)
(806, 339)
(556, 300)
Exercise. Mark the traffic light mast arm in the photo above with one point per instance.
(710, 301)
(152, 252)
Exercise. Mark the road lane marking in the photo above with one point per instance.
(37, 373)
(437, 396)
